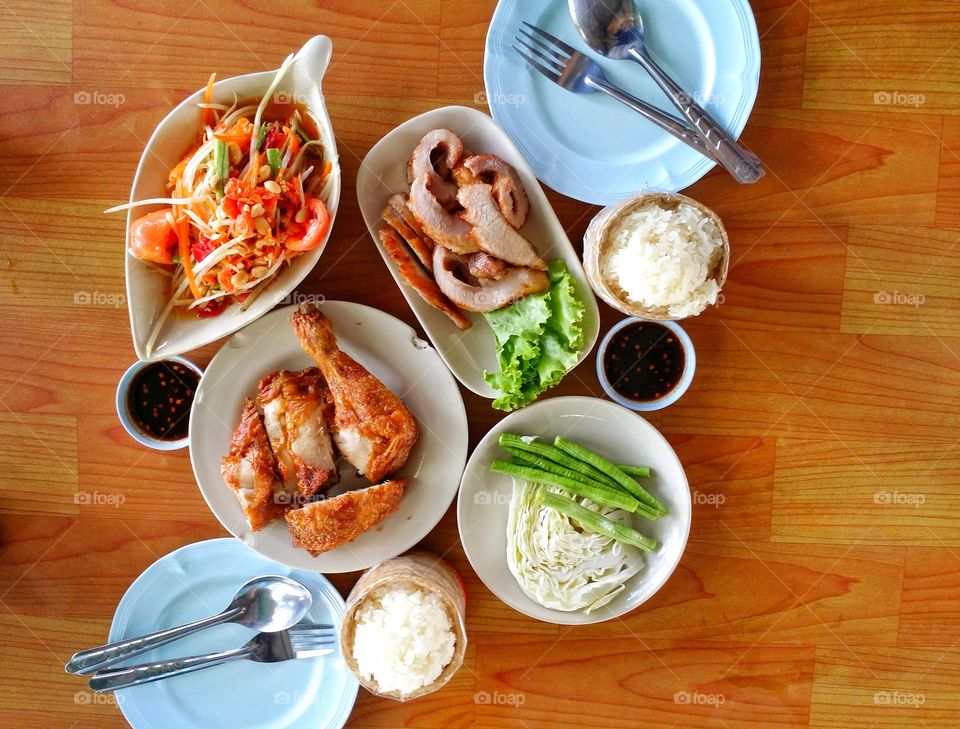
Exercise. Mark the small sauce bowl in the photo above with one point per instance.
(126, 411)
(669, 397)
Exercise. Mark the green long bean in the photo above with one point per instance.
(594, 522)
(602, 464)
(602, 496)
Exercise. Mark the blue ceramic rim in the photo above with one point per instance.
(749, 74)
(335, 601)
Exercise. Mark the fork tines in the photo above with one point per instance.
(312, 639)
(569, 50)
(547, 54)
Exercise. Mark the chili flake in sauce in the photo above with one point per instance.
(644, 361)
(160, 399)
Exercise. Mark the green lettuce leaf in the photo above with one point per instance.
(538, 340)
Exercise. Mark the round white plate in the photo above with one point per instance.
(615, 433)
(591, 147)
(390, 350)
(200, 580)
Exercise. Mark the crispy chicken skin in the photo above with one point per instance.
(324, 525)
(251, 471)
(421, 281)
(372, 427)
(295, 416)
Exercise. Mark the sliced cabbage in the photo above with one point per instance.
(559, 565)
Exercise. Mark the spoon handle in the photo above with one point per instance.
(666, 122)
(119, 678)
(88, 661)
(743, 164)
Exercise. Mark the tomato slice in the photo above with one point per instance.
(274, 139)
(317, 225)
(211, 308)
(203, 248)
(152, 238)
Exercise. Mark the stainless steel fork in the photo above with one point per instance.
(573, 71)
(304, 640)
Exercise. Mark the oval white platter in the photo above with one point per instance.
(383, 172)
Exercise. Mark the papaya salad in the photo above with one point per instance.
(246, 199)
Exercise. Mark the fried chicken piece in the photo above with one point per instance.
(251, 471)
(372, 427)
(295, 416)
(414, 274)
(324, 525)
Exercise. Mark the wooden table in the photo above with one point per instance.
(821, 583)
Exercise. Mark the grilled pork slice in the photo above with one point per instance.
(295, 413)
(454, 279)
(484, 267)
(491, 231)
(401, 220)
(438, 151)
(507, 189)
(324, 525)
(421, 282)
(448, 230)
(251, 471)
(371, 426)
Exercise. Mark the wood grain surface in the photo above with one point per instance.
(820, 586)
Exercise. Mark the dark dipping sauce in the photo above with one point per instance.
(643, 361)
(160, 397)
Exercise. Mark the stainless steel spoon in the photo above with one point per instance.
(267, 604)
(614, 28)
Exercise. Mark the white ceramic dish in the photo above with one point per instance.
(616, 433)
(392, 351)
(468, 354)
(147, 290)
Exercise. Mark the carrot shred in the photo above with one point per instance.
(183, 238)
(326, 171)
(294, 139)
(206, 118)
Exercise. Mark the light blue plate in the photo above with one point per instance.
(593, 148)
(199, 580)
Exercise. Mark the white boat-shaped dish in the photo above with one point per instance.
(383, 172)
(147, 288)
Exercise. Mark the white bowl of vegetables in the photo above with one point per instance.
(232, 205)
(574, 510)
